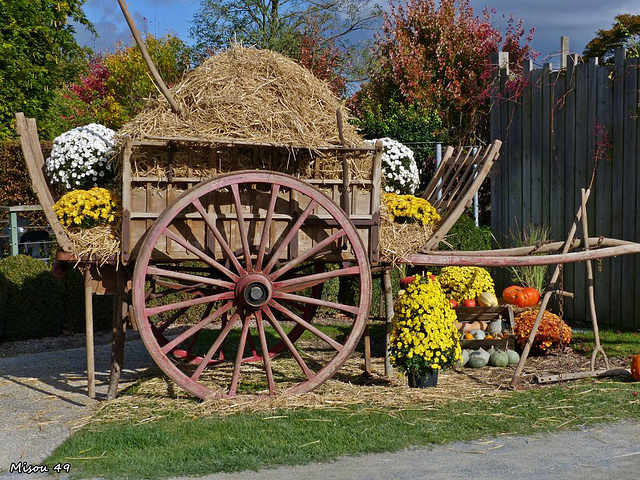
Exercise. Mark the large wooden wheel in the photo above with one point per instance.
(249, 301)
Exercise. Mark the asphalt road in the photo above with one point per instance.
(42, 399)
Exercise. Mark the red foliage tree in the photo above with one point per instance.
(437, 56)
(322, 57)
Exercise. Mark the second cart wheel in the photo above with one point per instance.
(236, 311)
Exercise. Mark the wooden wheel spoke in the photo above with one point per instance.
(267, 225)
(216, 345)
(318, 333)
(200, 254)
(292, 232)
(164, 325)
(316, 301)
(308, 254)
(285, 338)
(188, 303)
(219, 238)
(189, 277)
(239, 354)
(243, 231)
(196, 328)
(300, 283)
(172, 291)
(265, 353)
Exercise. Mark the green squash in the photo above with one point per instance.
(499, 359)
(513, 357)
(478, 334)
(495, 327)
(464, 358)
(478, 359)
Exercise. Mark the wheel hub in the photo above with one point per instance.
(253, 291)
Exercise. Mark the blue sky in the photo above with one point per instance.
(579, 19)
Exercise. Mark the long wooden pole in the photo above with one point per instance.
(147, 58)
(545, 299)
(590, 292)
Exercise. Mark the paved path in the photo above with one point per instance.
(42, 398)
(606, 452)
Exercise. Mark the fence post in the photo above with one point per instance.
(564, 51)
(13, 232)
(476, 208)
(438, 162)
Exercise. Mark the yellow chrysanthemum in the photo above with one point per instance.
(87, 208)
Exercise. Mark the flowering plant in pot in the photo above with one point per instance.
(424, 338)
(82, 157)
(399, 168)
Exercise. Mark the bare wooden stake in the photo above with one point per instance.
(578, 375)
(388, 296)
(88, 317)
(590, 289)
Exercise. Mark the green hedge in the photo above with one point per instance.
(35, 304)
(14, 178)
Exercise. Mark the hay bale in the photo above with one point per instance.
(397, 240)
(249, 94)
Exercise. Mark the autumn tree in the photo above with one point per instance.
(317, 34)
(38, 53)
(624, 33)
(435, 56)
(115, 87)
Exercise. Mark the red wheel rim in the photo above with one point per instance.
(256, 298)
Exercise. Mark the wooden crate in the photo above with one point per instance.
(168, 170)
(487, 314)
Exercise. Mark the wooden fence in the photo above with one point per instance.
(554, 126)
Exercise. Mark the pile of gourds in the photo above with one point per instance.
(481, 330)
(481, 358)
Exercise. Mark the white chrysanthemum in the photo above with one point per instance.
(81, 156)
(399, 167)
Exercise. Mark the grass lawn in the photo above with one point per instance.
(149, 435)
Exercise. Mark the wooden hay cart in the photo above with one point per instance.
(232, 264)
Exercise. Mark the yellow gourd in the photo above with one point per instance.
(487, 299)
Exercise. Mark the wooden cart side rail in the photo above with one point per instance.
(163, 141)
(490, 260)
(30, 142)
(473, 176)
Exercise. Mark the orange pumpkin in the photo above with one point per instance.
(635, 367)
(509, 294)
(521, 296)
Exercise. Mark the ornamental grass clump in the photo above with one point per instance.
(424, 338)
(81, 157)
(399, 168)
(462, 283)
(552, 331)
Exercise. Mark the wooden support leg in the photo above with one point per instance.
(388, 295)
(120, 314)
(545, 299)
(367, 350)
(88, 317)
(590, 290)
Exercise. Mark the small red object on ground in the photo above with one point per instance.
(405, 281)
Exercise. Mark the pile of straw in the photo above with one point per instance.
(249, 94)
(397, 240)
(101, 242)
